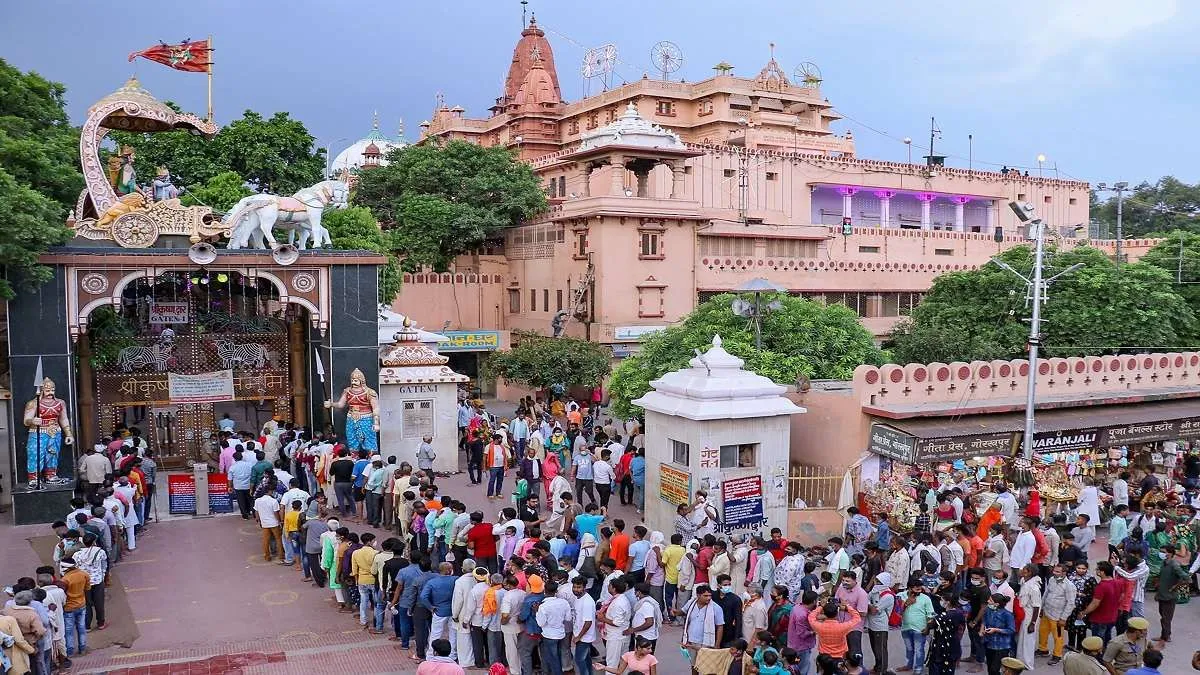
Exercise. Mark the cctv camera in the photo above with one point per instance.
(1024, 210)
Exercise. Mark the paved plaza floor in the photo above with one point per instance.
(204, 601)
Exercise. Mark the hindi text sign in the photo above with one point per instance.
(201, 388)
(162, 313)
(674, 485)
(743, 504)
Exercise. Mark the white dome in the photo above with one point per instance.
(352, 157)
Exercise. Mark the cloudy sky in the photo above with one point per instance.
(1105, 89)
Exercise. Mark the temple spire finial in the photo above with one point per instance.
(375, 120)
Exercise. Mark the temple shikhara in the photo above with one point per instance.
(666, 192)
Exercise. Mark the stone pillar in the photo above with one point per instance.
(643, 183)
(677, 175)
(847, 194)
(85, 429)
(885, 206)
(991, 217)
(296, 357)
(587, 181)
(618, 176)
(926, 199)
(959, 204)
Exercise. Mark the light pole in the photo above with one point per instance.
(1119, 188)
(908, 143)
(1041, 159)
(1037, 294)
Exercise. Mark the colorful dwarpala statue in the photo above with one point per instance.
(164, 189)
(49, 429)
(362, 417)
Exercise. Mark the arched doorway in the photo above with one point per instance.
(184, 348)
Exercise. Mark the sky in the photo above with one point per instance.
(1104, 89)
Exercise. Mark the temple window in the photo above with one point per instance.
(665, 108)
(514, 301)
(706, 107)
(533, 299)
(574, 127)
(650, 246)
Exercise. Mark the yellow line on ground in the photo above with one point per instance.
(139, 590)
(135, 655)
(141, 621)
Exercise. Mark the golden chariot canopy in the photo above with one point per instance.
(112, 205)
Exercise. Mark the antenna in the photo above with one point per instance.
(666, 57)
(524, 5)
(809, 74)
(598, 62)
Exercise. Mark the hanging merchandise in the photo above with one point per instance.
(1022, 472)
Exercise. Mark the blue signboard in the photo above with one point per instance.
(743, 502)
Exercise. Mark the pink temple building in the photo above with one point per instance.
(664, 193)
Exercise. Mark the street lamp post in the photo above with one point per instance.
(1119, 188)
(908, 144)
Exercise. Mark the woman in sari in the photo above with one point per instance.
(779, 613)
(550, 469)
(655, 574)
(1155, 541)
(348, 582)
(331, 543)
(558, 445)
(945, 515)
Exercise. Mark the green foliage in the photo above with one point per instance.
(39, 178)
(1179, 255)
(355, 228)
(109, 333)
(1165, 205)
(441, 200)
(1096, 309)
(220, 192)
(276, 155)
(538, 361)
(804, 338)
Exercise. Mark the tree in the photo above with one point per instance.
(275, 155)
(441, 200)
(1097, 309)
(221, 192)
(356, 229)
(39, 175)
(1165, 205)
(1179, 255)
(803, 338)
(538, 361)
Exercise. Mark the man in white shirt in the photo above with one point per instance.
(583, 626)
(553, 615)
(1120, 490)
(754, 616)
(1008, 505)
(266, 510)
(1023, 548)
(294, 492)
(510, 624)
(603, 476)
(647, 615)
(617, 616)
(957, 556)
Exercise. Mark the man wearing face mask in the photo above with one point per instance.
(851, 594)
(731, 608)
(977, 592)
(1058, 601)
(999, 584)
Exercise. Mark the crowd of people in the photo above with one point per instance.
(47, 616)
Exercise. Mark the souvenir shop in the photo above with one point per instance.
(973, 452)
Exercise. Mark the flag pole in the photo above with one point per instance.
(210, 62)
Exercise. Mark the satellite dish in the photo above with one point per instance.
(808, 73)
(741, 307)
(666, 57)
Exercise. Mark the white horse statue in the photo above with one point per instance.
(253, 218)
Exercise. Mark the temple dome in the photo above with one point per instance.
(631, 129)
(537, 88)
(533, 47)
(354, 157)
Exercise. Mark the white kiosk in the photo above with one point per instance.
(718, 427)
(418, 396)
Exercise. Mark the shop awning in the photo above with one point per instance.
(948, 438)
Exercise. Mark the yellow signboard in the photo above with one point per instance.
(674, 485)
(470, 341)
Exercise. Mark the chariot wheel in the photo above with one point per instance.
(134, 230)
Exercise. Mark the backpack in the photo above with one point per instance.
(927, 559)
(897, 615)
(1041, 550)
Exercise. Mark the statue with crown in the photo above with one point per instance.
(49, 429)
(362, 414)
